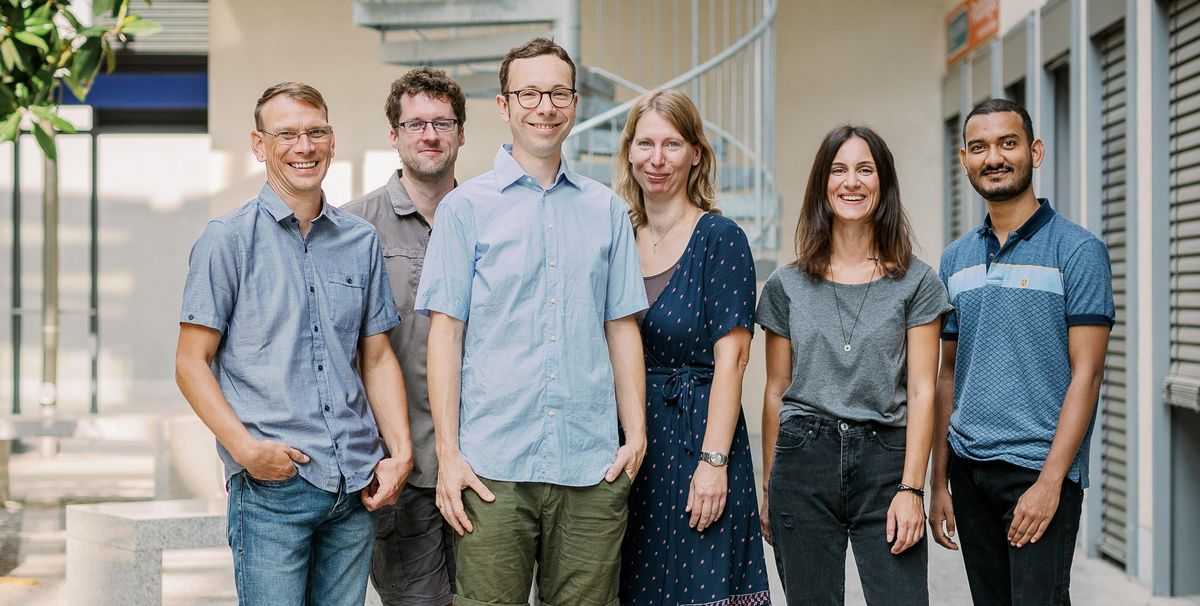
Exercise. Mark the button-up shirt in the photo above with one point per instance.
(291, 310)
(534, 273)
(403, 233)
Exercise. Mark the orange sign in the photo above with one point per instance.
(969, 25)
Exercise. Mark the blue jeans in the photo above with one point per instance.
(833, 481)
(294, 543)
(985, 494)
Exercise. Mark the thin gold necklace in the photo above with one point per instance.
(654, 245)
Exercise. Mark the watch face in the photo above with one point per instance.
(714, 458)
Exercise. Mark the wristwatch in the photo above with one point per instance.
(716, 459)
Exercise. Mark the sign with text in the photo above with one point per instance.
(969, 25)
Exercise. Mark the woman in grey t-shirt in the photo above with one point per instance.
(852, 336)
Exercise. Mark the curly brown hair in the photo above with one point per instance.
(428, 81)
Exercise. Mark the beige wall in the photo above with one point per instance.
(316, 42)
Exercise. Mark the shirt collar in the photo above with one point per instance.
(280, 210)
(401, 202)
(1035, 222)
(508, 171)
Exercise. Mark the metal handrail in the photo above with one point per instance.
(688, 76)
(639, 89)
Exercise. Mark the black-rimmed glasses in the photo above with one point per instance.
(416, 127)
(530, 98)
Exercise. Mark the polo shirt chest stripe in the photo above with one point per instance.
(1004, 275)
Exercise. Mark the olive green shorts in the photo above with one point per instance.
(572, 533)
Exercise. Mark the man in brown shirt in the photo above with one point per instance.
(413, 561)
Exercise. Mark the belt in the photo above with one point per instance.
(679, 391)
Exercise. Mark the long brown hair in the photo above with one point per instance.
(679, 110)
(814, 230)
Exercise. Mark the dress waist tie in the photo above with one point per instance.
(679, 391)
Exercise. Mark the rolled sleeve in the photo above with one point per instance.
(950, 321)
(626, 292)
(773, 306)
(212, 281)
(449, 264)
(1087, 279)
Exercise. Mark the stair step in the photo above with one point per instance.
(430, 14)
(454, 51)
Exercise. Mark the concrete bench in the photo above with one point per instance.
(114, 550)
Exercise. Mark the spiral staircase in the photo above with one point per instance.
(719, 51)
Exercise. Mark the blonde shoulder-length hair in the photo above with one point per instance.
(682, 113)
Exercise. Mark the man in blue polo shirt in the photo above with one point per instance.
(283, 353)
(1022, 360)
(531, 281)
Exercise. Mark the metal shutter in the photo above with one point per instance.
(1183, 383)
(1114, 408)
(954, 173)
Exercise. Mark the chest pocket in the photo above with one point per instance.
(345, 292)
(404, 267)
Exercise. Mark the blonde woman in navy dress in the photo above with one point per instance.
(693, 535)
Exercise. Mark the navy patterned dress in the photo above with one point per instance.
(664, 562)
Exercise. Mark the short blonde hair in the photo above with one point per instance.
(682, 113)
(293, 90)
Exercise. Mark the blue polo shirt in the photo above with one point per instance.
(1013, 305)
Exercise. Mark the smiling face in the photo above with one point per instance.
(853, 186)
(538, 132)
(430, 155)
(999, 158)
(660, 159)
(295, 171)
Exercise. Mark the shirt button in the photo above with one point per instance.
(553, 376)
(553, 263)
(192, 317)
(552, 301)
(311, 289)
(320, 367)
(316, 329)
(549, 226)
(551, 413)
(553, 338)
(326, 408)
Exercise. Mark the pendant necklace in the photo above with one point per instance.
(654, 245)
(838, 306)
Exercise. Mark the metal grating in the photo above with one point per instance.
(1114, 406)
(954, 177)
(184, 28)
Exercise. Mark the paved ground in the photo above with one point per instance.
(204, 576)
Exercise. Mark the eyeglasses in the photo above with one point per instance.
(530, 98)
(290, 137)
(416, 127)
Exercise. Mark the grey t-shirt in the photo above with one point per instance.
(869, 382)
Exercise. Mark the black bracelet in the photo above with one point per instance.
(912, 489)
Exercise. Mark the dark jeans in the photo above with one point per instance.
(832, 481)
(985, 495)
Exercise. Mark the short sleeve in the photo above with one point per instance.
(929, 300)
(773, 306)
(728, 281)
(449, 267)
(1087, 279)
(626, 292)
(950, 323)
(380, 313)
(213, 278)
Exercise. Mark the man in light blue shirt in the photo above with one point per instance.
(286, 301)
(531, 280)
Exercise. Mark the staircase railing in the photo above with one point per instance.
(722, 52)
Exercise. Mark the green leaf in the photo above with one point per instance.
(94, 31)
(7, 98)
(137, 26)
(32, 40)
(10, 127)
(99, 7)
(9, 57)
(39, 29)
(86, 63)
(45, 141)
(48, 114)
(72, 19)
(43, 12)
